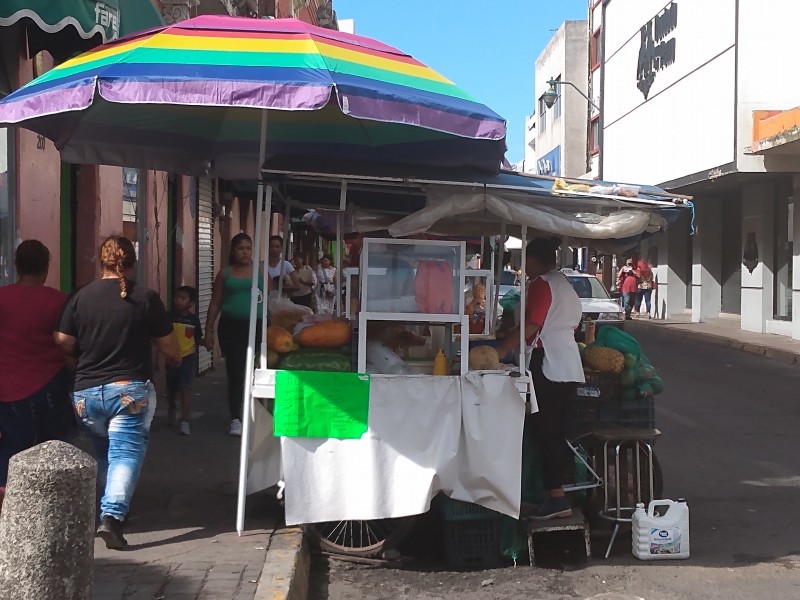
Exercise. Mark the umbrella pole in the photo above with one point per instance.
(340, 265)
(523, 355)
(255, 297)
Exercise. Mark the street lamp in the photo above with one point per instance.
(551, 95)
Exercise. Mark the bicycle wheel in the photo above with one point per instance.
(359, 538)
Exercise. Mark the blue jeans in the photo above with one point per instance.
(645, 297)
(628, 301)
(118, 417)
(38, 418)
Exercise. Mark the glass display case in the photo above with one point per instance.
(413, 281)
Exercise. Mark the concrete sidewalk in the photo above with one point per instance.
(726, 332)
(181, 531)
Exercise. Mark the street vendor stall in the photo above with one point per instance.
(215, 96)
(410, 433)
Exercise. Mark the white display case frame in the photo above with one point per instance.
(456, 318)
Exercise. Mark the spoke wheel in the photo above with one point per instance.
(359, 538)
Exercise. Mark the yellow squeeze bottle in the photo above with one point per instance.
(440, 364)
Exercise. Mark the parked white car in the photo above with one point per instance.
(595, 299)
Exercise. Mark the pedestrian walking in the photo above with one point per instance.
(304, 294)
(326, 286)
(230, 302)
(34, 380)
(109, 327)
(645, 288)
(278, 268)
(189, 332)
(628, 284)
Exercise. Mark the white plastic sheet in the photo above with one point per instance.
(443, 205)
(265, 452)
(426, 434)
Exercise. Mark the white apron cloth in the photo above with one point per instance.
(562, 359)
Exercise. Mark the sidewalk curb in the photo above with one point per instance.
(287, 567)
(784, 356)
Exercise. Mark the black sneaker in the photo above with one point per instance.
(552, 507)
(110, 531)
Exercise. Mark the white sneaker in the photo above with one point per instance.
(236, 427)
(185, 430)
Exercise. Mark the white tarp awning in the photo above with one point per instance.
(454, 212)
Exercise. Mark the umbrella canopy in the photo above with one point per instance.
(186, 98)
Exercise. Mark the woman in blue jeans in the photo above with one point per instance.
(109, 326)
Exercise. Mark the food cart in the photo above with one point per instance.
(459, 434)
(420, 434)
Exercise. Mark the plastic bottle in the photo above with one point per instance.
(440, 364)
(661, 537)
(589, 332)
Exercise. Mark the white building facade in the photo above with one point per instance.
(680, 86)
(556, 136)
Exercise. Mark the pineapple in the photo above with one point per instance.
(606, 360)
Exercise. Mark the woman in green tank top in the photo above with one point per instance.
(230, 302)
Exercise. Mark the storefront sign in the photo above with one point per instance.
(550, 163)
(656, 52)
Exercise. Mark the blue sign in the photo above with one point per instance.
(550, 163)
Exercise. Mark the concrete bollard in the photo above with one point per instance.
(47, 525)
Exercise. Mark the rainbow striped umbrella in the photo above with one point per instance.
(187, 98)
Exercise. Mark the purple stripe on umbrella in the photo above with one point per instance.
(75, 97)
(361, 107)
(279, 96)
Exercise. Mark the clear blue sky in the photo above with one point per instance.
(487, 48)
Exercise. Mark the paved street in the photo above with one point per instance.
(181, 534)
(730, 445)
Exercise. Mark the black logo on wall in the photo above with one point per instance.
(656, 52)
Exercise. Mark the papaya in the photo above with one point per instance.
(329, 334)
(279, 340)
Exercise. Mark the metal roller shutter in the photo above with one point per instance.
(205, 258)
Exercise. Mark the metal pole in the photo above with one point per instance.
(522, 301)
(342, 207)
(255, 297)
(286, 216)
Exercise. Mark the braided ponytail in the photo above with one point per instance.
(116, 255)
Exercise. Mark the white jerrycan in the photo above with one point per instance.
(661, 536)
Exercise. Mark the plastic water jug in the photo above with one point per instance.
(659, 535)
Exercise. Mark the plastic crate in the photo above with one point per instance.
(587, 414)
(455, 510)
(637, 413)
(473, 544)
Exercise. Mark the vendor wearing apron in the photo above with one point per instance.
(553, 311)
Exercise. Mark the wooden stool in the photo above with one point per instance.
(623, 440)
(574, 523)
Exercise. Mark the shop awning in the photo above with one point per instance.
(65, 27)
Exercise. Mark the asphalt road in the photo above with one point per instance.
(730, 446)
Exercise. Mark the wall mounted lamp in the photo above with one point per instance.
(551, 95)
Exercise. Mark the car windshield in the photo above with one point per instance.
(508, 278)
(589, 287)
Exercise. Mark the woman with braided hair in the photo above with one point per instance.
(109, 326)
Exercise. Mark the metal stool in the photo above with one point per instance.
(638, 442)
